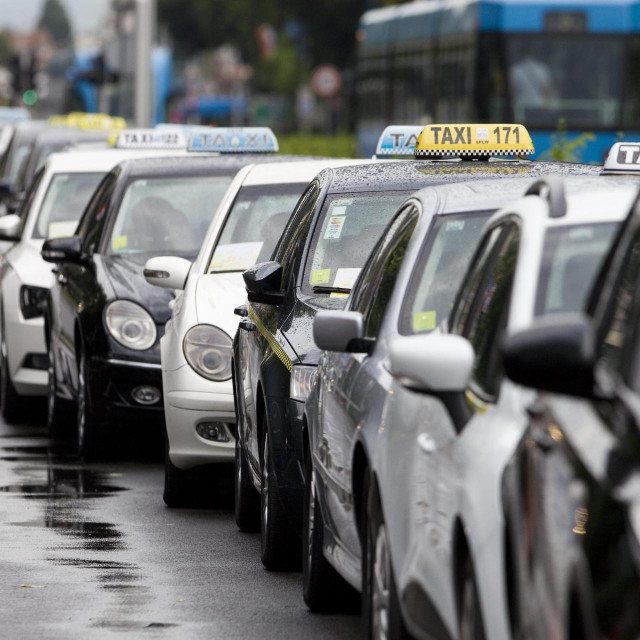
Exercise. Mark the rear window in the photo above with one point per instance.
(347, 230)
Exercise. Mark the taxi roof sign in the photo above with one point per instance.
(623, 157)
(398, 140)
(473, 140)
(235, 140)
(151, 139)
(89, 121)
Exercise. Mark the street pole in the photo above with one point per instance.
(145, 22)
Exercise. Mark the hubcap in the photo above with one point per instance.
(380, 588)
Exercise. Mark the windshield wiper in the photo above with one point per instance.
(324, 289)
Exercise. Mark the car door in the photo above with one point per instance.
(355, 385)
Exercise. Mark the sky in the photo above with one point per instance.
(22, 15)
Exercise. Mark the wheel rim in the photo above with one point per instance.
(264, 494)
(82, 403)
(381, 580)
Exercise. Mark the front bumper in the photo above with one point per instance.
(25, 347)
(190, 400)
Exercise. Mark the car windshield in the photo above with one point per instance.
(63, 204)
(572, 257)
(254, 225)
(575, 77)
(166, 216)
(347, 230)
(443, 261)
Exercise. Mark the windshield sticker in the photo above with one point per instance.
(119, 243)
(238, 256)
(62, 229)
(338, 294)
(334, 228)
(341, 202)
(424, 321)
(320, 276)
(345, 278)
(454, 225)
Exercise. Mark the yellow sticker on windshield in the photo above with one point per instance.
(424, 321)
(338, 294)
(320, 276)
(119, 242)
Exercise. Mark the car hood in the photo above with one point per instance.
(128, 283)
(217, 295)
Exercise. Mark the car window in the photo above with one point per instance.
(28, 201)
(487, 313)
(619, 321)
(296, 231)
(253, 226)
(346, 231)
(67, 196)
(443, 261)
(377, 280)
(165, 215)
(571, 260)
(93, 218)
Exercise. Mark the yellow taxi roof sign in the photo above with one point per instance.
(89, 121)
(473, 140)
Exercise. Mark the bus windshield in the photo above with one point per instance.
(575, 77)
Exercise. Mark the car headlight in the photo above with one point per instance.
(130, 325)
(208, 351)
(302, 377)
(32, 301)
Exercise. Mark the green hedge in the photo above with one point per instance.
(342, 145)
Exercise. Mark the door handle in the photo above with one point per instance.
(62, 279)
(247, 325)
(426, 443)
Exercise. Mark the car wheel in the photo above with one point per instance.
(247, 499)
(89, 439)
(323, 588)
(177, 488)
(471, 625)
(57, 414)
(277, 542)
(383, 617)
(10, 401)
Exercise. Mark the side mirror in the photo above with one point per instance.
(556, 354)
(60, 250)
(10, 227)
(435, 363)
(169, 272)
(341, 331)
(263, 282)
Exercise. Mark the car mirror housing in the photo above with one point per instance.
(435, 363)
(341, 331)
(60, 250)
(263, 282)
(10, 227)
(557, 354)
(170, 272)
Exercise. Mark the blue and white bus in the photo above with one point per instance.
(543, 63)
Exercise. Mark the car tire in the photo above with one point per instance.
(278, 545)
(471, 624)
(382, 614)
(323, 589)
(247, 499)
(10, 400)
(88, 435)
(58, 417)
(178, 491)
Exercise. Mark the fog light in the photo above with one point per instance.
(215, 431)
(146, 395)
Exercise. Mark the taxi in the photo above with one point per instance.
(104, 320)
(574, 569)
(196, 346)
(52, 208)
(323, 248)
(410, 428)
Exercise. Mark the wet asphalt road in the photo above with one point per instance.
(90, 551)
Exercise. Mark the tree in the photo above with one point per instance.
(54, 19)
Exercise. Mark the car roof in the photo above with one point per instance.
(480, 195)
(410, 175)
(302, 170)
